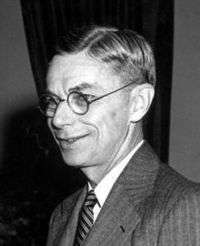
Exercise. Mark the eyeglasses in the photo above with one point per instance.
(77, 101)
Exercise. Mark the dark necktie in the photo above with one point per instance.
(86, 218)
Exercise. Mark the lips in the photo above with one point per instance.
(70, 140)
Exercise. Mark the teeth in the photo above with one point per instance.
(71, 140)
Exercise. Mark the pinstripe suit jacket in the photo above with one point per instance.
(149, 205)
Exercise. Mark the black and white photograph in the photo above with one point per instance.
(99, 123)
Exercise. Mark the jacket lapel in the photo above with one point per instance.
(115, 220)
(123, 208)
(70, 228)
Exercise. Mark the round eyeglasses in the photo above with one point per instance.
(77, 101)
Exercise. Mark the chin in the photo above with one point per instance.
(78, 155)
(74, 160)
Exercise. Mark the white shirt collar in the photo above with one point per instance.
(104, 187)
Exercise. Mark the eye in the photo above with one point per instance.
(48, 104)
(51, 102)
(78, 99)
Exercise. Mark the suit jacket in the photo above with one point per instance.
(149, 205)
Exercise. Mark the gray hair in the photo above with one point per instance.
(128, 53)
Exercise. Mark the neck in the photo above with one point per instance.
(133, 137)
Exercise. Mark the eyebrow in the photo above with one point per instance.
(83, 86)
(78, 88)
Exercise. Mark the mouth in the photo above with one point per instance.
(65, 142)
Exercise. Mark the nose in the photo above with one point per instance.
(63, 116)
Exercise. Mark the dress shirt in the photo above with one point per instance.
(105, 185)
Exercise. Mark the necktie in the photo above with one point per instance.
(86, 218)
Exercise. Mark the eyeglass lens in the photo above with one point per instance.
(76, 101)
(48, 105)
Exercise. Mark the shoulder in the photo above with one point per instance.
(60, 216)
(179, 207)
(63, 209)
(175, 191)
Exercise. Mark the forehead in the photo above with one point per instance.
(71, 70)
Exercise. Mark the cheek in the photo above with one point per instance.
(112, 126)
(114, 115)
(49, 124)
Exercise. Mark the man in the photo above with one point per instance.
(98, 91)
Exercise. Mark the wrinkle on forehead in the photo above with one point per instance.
(66, 67)
(65, 62)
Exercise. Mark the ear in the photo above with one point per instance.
(140, 101)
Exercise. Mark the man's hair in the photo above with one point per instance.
(128, 53)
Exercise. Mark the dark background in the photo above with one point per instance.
(26, 200)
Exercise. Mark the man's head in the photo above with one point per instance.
(100, 62)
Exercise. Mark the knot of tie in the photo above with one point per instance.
(91, 199)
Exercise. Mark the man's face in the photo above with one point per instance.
(92, 139)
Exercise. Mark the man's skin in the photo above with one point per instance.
(98, 140)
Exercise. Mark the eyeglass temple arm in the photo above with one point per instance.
(111, 92)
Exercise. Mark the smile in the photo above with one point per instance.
(71, 140)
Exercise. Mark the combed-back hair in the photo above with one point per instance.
(128, 53)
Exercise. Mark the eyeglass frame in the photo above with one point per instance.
(88, 102)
